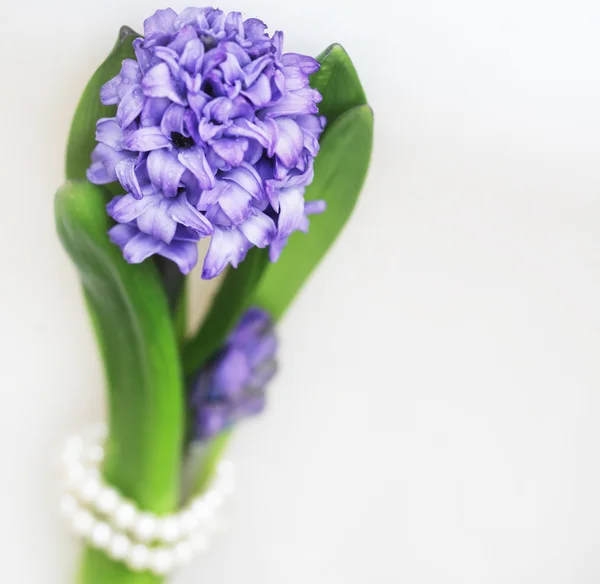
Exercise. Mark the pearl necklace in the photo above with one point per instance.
(106, 520)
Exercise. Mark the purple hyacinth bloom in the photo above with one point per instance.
(232, 385)
(215, 134)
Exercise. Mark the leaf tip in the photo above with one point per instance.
(333, 49)
(125, 32)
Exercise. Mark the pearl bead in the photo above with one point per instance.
(89, 488)
(107, 500)
(119, 546)
(145, 527)
(200, 510)
(188, 522)
(95, 454)
(74, 447)
(182, 553)
(199, 542)
(75, 474)
(213, 499)
(101, 535)
(98, 432)
(161, 561)
(68, 505)
(169, 529)
(138, 557)
(125, 515)
(83, 522)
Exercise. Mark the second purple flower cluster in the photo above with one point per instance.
(231, 386)
(215, 135)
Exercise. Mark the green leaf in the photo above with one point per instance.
(82, 136)
(340, 170)
(136, 339)
(180, 315)
(137, 343)
(226, 309)
(338, 83)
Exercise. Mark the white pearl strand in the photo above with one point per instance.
(108, 521)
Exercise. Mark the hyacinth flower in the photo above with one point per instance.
(231, 386)
(204, 126)
(215, 134)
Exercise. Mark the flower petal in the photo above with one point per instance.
(246, 177)
(125, 171)
(294, 78)
(197, 101)
(158, 82)
(276, 248)
(165, 171)
(211, 419)
(127, 208)
(258, 131)
(130, 107)
(231, 374)
(231, 150)
(314, 207)
(231, 69)
(120, 234)
(304, 63)
(195, 161)
(255, 68)
(145, 139)
(171, 58)
(160, 24)
(259, 229)
(259, 93)
(157, 221)
(235, 202)
(289, 143)
(183, 253)
(104, 161)
(114, 90)
(209, 197)
(212, 59)
(312, 128)
(192, 56)
(109, 132)
(140, 247)
(294, 103)
(153, 110)
(227, 246)
(291, 210)
(174, 120)
(185, 214)
(142, 55)
(108, 92)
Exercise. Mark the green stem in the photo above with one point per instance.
(130, 313)
(97, 568)
(210, 459)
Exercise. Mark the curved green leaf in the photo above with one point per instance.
(340, 170)
(338, 83)
(135, 335)
(82, 136)
(340, 87)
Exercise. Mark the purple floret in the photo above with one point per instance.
(232, 385)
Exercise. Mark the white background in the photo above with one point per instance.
(436, 416)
